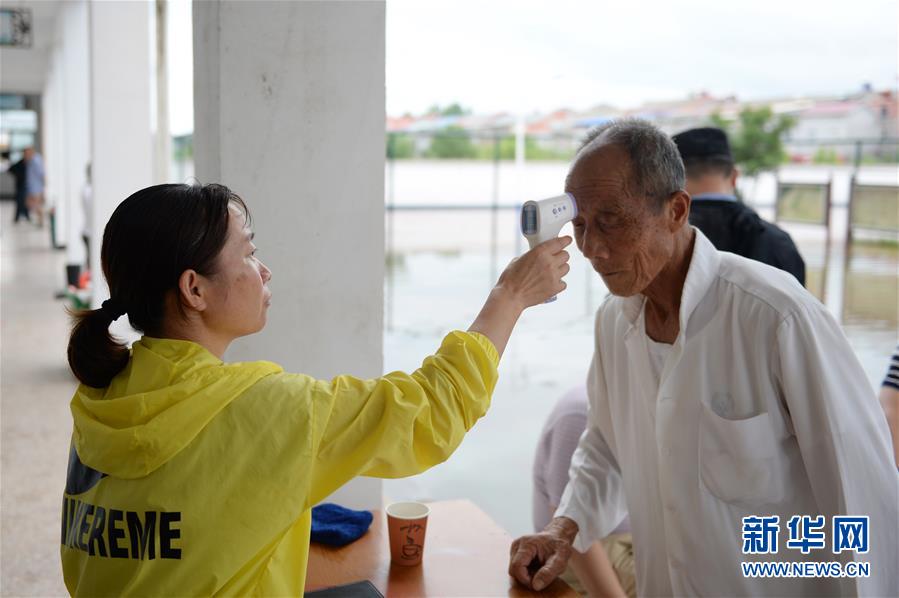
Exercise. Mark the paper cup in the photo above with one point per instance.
(407, 523)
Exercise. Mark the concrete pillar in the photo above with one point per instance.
(162, 137)
(121, 139)
(289, 113)
(73, 21)
(53, 137)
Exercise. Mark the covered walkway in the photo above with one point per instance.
(35, 388)
(272, 129)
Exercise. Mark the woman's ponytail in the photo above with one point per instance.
(94, 355)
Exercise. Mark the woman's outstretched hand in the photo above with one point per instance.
(537, 275)
(528, 280)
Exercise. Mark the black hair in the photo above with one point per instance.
(150, 240)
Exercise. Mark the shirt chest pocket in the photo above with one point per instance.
(740, 461)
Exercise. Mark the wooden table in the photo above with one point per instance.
(466, 554)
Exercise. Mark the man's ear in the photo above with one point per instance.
(678, 209)
(192, 290)
(735, 173)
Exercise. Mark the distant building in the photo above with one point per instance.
(399, 123)
(830, 128)
(695, 111)
(827, 128)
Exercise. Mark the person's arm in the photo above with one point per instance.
(591, 507)
(523, 283)
(538, 559)
(843, 438)
(402, 424)
(889, 400)
(592, 568)
(595, 572)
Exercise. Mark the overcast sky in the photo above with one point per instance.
(524, 55)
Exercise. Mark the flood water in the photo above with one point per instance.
(442, 264)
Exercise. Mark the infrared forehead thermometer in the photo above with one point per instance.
(542, 220)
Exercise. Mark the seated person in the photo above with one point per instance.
(889, 399)
(730, 224)
(607, 568)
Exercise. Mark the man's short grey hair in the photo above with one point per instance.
(657, 170)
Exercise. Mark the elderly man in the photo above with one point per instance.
(724, 400)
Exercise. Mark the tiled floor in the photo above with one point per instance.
(35, 426)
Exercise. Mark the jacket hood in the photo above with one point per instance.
(156, 406)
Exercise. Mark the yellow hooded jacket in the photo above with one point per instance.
(189, 476)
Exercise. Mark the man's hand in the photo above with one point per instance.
(538, 559)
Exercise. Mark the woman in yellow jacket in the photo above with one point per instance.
(191, 476)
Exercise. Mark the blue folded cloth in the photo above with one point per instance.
(338, 526)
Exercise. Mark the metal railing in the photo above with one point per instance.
(862, 152)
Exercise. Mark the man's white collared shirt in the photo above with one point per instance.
(761, 409)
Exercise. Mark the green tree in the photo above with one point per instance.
(826, 155)
(757, 141)
(454, 109)
(486, 148)
(183, 147)
(451, 142)
(716, 120)
(533, 150)
(400, 146)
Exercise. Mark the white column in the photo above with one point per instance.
(162, 136)
(289, 113)
(53, 142)
(73, 19)
(121, 140)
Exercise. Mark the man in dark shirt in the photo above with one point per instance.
(730, 224)
(19, 172)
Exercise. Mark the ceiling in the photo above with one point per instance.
(24, 70)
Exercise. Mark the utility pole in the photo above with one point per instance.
(163, 141)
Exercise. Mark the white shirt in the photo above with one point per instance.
(657, 353)
(761, 409)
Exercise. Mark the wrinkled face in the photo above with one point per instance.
(241, 299)
(618, 231)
